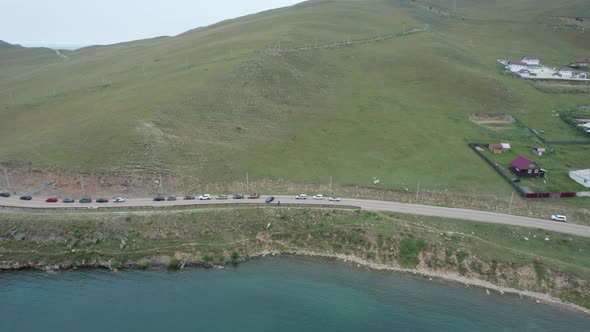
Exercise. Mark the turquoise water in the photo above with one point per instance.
(271, 294)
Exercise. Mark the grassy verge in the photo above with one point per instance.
(507, 256)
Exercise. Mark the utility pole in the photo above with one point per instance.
(417, 191)
(247, 183)
(330, 185)
(161, 187)
(82, 184)
(7, 182)
(510, 207)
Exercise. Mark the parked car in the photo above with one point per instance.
(119, 200)
(159, 199)
(269, 199)
(102, 200)
(205, 197)
(515, 180)
(86, 200)
(68, 200)
(334, 199)
(51, 200)
(222, 197)
(189, 197)
(26, 198)
(301, 196)
(238, 196)
(318, 196)
(559, 217)
(254, 196)
(4, 194)
(171, 198)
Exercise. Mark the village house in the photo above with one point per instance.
(580, 75)
(515, 66)
(497, 148)
(525, 167)
(565, 72)
(530, 60)
(579, 63)
(539, 151)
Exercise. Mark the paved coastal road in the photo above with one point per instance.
(424, 210)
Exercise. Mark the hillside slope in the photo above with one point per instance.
(255, 95)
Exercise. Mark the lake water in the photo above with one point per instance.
(270, 294)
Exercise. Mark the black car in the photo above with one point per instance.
(222, 197)
(26, 198)
(189, 197)
(102, 200)
(171, 198)
(68, 200)
(269, 199)
(86, 200)
(238, 196)
(159, 198)
(4, 194)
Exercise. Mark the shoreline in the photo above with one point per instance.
(159, 261)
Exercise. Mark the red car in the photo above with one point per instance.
(51, 200)
(254, 196)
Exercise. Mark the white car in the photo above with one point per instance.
(119, 200)
(205, 197)
(301, 196)
(318, 196)
(334, 199)
(559, 217)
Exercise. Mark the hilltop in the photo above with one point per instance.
(349, 89)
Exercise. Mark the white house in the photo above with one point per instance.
(515, 66)
(565, 72)
(505, 147)
(524, 73)
(580, 75)
(581, 176)
(530, 60)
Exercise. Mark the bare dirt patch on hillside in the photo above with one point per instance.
(493, 121)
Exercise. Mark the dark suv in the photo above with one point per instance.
(102, 200)
(4, 194)
(86, 200)
(159, 199)
(189, 197)
(68, 200)
(238, 196)
(26, 198)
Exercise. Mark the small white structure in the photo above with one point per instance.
(580, 75)
(505, 147)
(515, 66)
(530, 60)
(581, 176)
(565, 72)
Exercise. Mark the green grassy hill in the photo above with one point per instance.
(238, 96)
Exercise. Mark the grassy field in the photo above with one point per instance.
(216, 102)
(506, 256)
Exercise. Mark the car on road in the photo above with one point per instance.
(51, 200)
(254, 196)
(238, 196)
(68, 200)
(205, 197)
(159, 199)
(269, 199)
(189, 197)
(4, 194)
(102, 200)
(171, 198)
(334, 199)
(86, 200)
(559, 217)
(301, 196)
(26, 198)
(318, 197)
(119, 200)
(222, 197)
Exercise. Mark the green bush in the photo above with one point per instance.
(173, 263)
(408, 252)
(221, 259)
(235, 256)
(143, 264)
(207, 258)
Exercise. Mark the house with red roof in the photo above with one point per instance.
(524, 167)
(579, 63)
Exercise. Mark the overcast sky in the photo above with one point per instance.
(85, 22)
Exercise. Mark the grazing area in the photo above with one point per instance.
(521, 258)
(348, 89)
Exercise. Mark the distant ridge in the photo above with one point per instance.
(5, 44)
